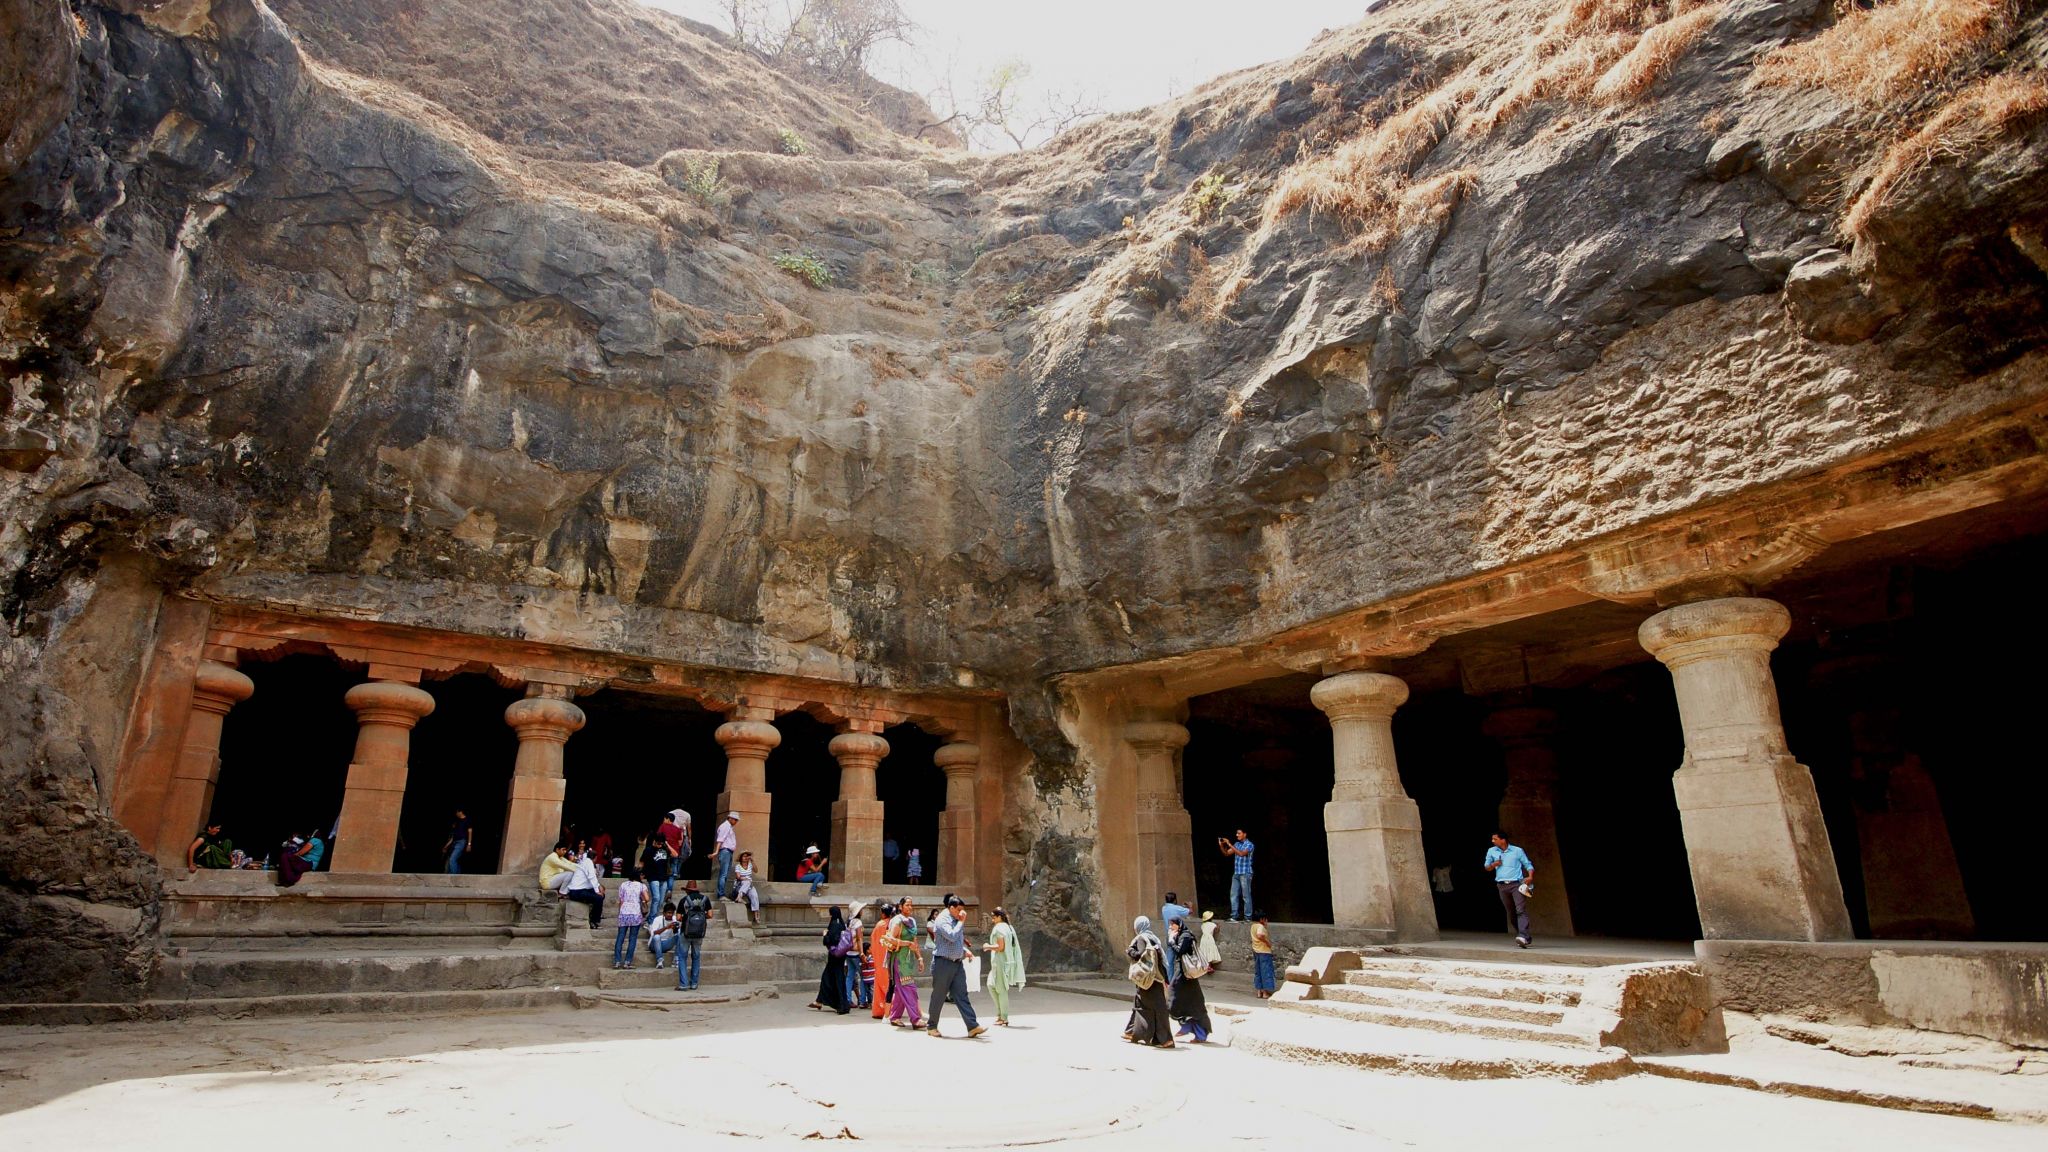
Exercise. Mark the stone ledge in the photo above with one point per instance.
(1995, 991)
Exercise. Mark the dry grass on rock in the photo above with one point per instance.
(1894, 50)
(1975, 119)
(1586, 51)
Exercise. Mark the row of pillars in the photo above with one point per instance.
(1757, 848)
(387, 709)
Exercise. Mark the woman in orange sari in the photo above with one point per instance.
(878, 952)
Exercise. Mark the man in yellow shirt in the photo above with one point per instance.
(556, 868)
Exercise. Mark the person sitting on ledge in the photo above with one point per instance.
(556, 869)
(210, 850)
(811, 869)
(300, 857)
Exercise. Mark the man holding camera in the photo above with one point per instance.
(1514, 877)
(1240, 853)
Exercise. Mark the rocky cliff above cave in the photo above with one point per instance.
(527, 324)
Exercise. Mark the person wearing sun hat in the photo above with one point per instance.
(811, 869)
(726, 846)
(1206, 947)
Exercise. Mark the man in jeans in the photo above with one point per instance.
(727, 844)
(461, 838)
(694, 910)
(949, 967)
(1240, 854)
(1512, 876)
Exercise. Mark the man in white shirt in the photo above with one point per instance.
(664, 933)
(728, 844)
(586, 886)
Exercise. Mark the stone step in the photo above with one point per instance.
(235, 975)
(646, 976)
(1519, 991)
(1574, 976)
(1439, 1003)
(461, 1001)
(1439, 1022)
(1304, 1038)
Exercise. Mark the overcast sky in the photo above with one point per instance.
(1126, 53)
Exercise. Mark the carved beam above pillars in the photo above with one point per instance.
(1654, 572)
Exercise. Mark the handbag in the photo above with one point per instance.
(1144, 971)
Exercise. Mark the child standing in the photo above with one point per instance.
(632, 913)
(1262, 957)
(867, 965)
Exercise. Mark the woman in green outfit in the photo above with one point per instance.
(1005, 963)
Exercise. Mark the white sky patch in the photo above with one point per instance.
(1126, 54)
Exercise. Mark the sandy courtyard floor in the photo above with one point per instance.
(772, 1074)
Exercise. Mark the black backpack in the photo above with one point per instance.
(696, 915)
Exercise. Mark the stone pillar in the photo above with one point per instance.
(386, 710)
(1912, 884)
(857, 814)
(533, 810)
(960, 763)
(215, 689)
(1166, 843)
(1528, 810)
(1762, 868)
(747, 739)
(1379, 877)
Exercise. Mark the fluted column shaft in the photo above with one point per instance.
(857, 814)
(1166, 844)
(216, 689)
(1762, 868)
(543, 722)
(957, 836)
(748, 738)
(386, 711)
(1378, 875)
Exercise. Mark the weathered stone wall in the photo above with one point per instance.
(280, 332)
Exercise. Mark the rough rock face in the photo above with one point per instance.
(277, 326)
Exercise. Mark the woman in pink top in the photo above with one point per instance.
(632, 913)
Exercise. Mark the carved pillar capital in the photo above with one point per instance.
(1359, 696)
(1709, 628)
(389, 703)
(216, 688)
(544, 718)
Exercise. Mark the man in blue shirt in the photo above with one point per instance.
(1240, 875)
(1513, 877)
(949, 967)
(1170, 911)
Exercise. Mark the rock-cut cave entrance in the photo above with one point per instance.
(638, 756)
(284, 753)
(803, 777)
(462, 756)
(912, 791)
(1259, 758)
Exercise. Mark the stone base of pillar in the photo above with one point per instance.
(368, 836)
(1534, 827)
(1761, 865)
(1166, 857)
(186, 805)
(956, 841)
(1379, 877)
(533, 821)
(752, 834)
(856, 841)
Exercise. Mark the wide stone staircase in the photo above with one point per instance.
(1484, 1014)
(1526, 1002)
